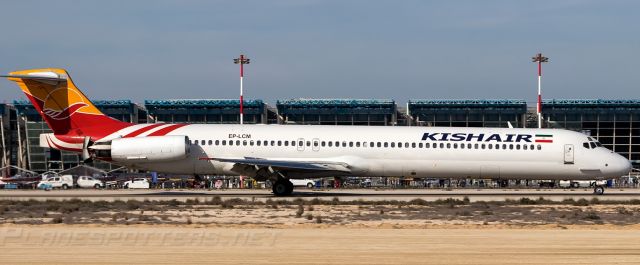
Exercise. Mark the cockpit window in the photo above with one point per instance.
(593, 145)
(586, 145)
(598, 144)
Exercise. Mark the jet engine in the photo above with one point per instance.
(143, 149)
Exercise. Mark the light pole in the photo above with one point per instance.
(241, 61)
(539, 59)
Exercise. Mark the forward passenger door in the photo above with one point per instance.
(568, 154)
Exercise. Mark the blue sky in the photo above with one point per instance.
(327, 49)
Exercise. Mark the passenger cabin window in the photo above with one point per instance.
(210, 142)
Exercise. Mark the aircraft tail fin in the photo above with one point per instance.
(62, 105)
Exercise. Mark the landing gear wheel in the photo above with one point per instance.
(289, 187)
(598, 190)
(282, 187)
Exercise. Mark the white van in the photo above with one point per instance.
(138, 183)
(61, 182)
(89, 182)
(309, 183)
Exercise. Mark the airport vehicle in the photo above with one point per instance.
(60, 182)
(309, 183)
(284, 152)
(89, 182)
(138, 183)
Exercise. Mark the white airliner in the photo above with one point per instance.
(282, 152)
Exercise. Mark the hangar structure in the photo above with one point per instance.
(615, 123)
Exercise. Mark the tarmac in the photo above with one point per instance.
(613, 194)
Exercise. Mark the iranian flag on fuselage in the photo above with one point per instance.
(544, 138)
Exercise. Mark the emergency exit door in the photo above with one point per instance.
(568, 154)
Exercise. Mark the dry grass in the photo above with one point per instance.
(524, 211)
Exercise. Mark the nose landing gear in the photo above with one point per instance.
(598, 190)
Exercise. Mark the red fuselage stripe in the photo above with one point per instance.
(143, 130)
(167, 130)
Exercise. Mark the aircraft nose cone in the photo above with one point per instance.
(622, 166)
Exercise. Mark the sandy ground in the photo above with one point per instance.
(147, 244)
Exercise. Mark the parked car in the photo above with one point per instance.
(62, 182)
(139, 183)
(309, 183)
(576, 183)
(89, 182)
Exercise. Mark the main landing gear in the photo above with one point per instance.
(282, 187)
(598, 190)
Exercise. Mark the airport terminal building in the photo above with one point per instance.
(615, 123)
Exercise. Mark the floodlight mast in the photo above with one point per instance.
(241, 61)
(539, 59)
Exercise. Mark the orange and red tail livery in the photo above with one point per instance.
(62, 105)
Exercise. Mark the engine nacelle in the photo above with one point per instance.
(150, 148)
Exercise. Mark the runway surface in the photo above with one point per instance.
(343, 194)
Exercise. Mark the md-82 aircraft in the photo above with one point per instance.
(282, 152)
